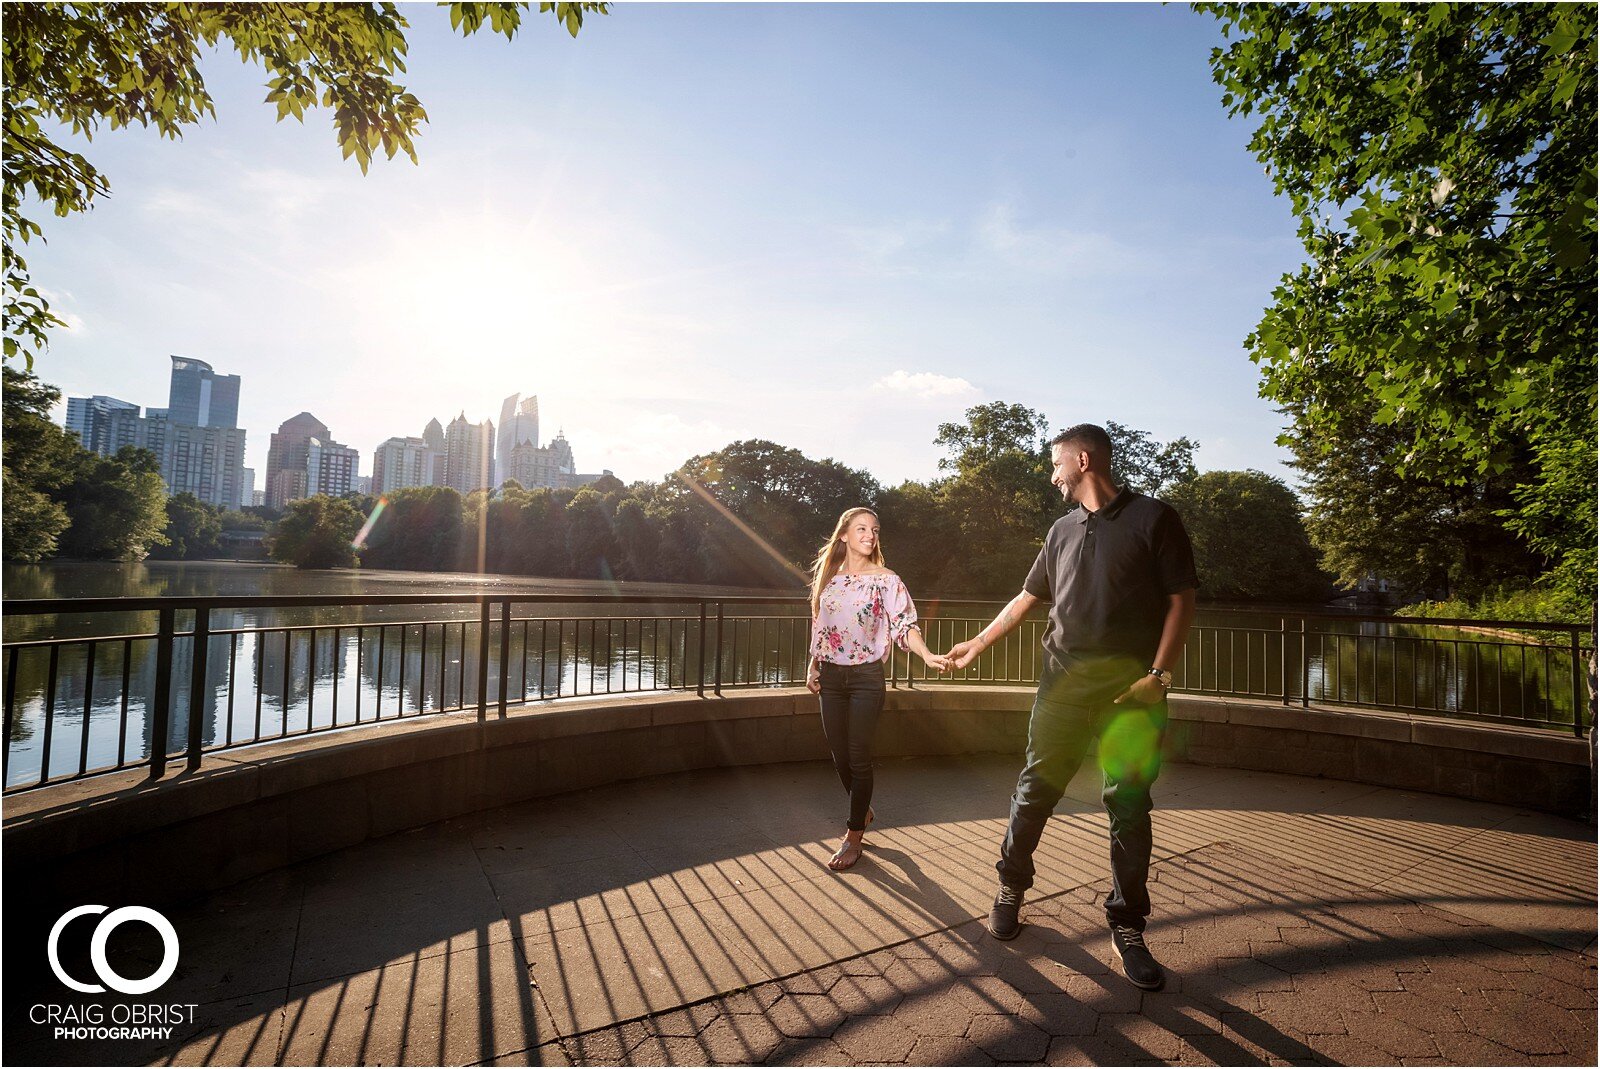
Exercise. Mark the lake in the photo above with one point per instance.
(282, 671)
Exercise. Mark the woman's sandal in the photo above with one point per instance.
(844, 847)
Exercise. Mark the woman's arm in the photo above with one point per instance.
(813, 672)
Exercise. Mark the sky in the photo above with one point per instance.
(830, 226)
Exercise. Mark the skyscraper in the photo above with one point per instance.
(90, 419)
(519, 423)
(195, 439)
(303, 460)
(469, 454)
(533, 467)
(402, 462)
(199, 397)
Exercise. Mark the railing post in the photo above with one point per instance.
(1283, 655)
(483, 660)
(161, 720)
(197, 685)
(1578, 701)
(505, 653)
(1305, 668)
(700, 671)
(717, 672)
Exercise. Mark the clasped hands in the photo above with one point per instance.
(959, 656)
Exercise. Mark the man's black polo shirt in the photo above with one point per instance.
(1107, 576)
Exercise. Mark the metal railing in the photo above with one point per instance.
(212, 675)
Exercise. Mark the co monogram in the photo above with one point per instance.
(97, 950)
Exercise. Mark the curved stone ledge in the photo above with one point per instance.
(252, 810)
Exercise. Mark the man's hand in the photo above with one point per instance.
(1146, 690)
(963, 653)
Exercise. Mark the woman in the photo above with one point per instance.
(857, 608)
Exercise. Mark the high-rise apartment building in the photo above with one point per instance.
(247, 488)
(469, 454)
(519, 423)
(303, 460)
(433, 434)
(195, 439)
(331, 468)
(402, 462)
(207, 462)
(532, 467)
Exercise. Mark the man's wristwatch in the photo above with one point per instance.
(1163, 677)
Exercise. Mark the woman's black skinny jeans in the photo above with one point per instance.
(852, 698)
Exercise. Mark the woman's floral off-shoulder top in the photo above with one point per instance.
(858, 616)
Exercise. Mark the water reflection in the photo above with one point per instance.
(265, 682)
(271, 673)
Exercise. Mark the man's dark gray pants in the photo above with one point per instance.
(1073, 707)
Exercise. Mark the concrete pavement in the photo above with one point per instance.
(687, 919)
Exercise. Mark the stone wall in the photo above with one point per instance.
(252, 810)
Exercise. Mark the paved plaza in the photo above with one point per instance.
(688, 919)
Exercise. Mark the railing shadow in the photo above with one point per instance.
(421, 947)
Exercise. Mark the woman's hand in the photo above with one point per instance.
(813, 679)
(937, 662)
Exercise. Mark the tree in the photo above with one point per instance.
(1441, 161)
(1141, 463)
(88, 66)
(117, 505)
(192, 531)
(32, 521)
(921, 539)
(786, 502)
(316, 532)
(998, 495)
(638, 542)
(39, 459)
(1428, 536)
(419, 529)
(591, 545)
(60, 498)
(1250, 543)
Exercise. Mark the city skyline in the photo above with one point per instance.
(835, 233)
(303, 458)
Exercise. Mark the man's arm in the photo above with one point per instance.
(964, 653)
(1147, 690)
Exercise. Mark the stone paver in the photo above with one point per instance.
(688, 921)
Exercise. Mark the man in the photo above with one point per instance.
(1118, 574)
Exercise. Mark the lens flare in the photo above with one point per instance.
(1130, 747)
(366, 528)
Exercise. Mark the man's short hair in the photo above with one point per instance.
(1085, 435)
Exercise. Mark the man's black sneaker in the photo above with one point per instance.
(1138, 964)
(1003, 922)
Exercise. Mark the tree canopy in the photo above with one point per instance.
(1250, 543)
(1440, 159)
(61, 499)
(316, 532)
(88, 66)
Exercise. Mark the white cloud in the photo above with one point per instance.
(924, 384)
(1054, 250)
(879, 245)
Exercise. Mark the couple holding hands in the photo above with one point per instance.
(1117, 575)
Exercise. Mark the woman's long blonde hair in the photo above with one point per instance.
(832, 554)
